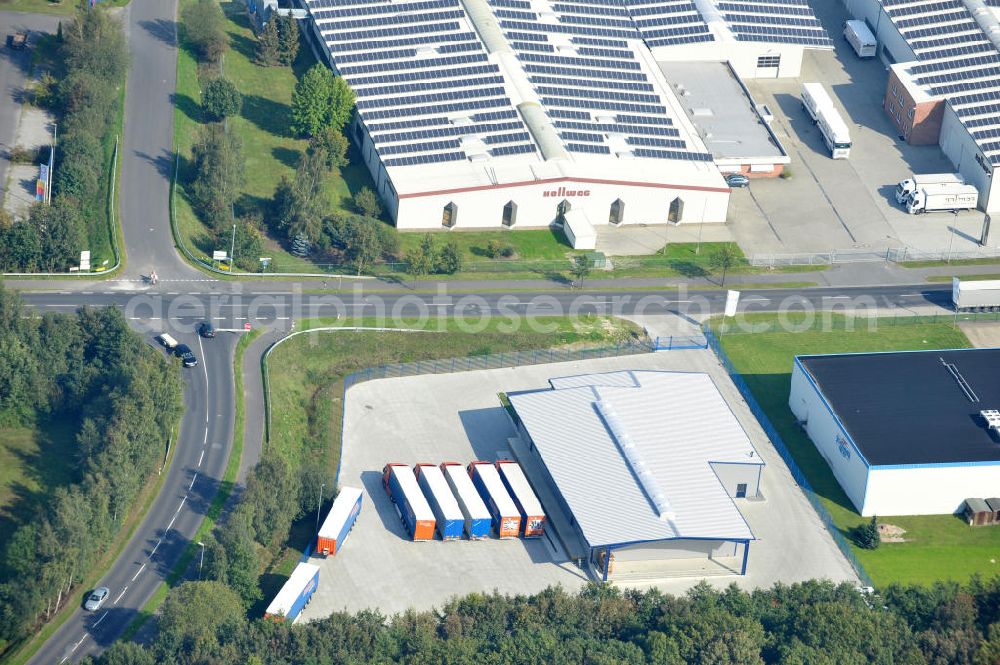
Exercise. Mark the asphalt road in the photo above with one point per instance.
(14, 72)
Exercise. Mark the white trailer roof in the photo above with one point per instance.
(818, 94)
(675, 425)
(339, 513)
(408, 481)
(297, 581)
(491, 479)
(442, 492)
(521, 488)
(466, 491)
(978, 285)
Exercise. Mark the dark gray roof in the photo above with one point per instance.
(977, 506)
(909, 408)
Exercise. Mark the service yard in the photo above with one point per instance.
(458, 417)
(850, 202)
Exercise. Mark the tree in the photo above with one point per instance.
(580, 268)
(724, 258)
(420, 259)
(362, 242)
(204, 29)
(221, 99)
(867, 535)
(315, 486)
(449, 259)
(299, 204)
(367, 203)
(268, 50)
(321, 100)
(249, 242)
(288, 41)
(218, 175)
(196, 613)
(333, 146)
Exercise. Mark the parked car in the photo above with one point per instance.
(183, 351)
(206, 329)
(167, 341)
(737, 180)
(97, 598)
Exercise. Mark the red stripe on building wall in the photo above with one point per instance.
(549, 181)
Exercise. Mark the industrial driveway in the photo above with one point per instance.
(457, 417)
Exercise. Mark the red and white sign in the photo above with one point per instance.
(246, 326)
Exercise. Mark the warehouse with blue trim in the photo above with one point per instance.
(905, 433)
(649, 469)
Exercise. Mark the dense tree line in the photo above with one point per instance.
(122, 398)
(92, 63)
(814, 623)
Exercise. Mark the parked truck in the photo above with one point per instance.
(447, 515)
(942, 196)
(506, 518)
(834, 130)
(975, 295)
(411, 506)
(477, 516)
(528, 505)
(295, 594)
(904, 188)
(861, 39)
(339, 521)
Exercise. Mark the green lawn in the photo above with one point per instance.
(269, 151)
(33, 462)
(530, 245)
(939, 547)
(948, 278)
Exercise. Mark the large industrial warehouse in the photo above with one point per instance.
(648, 466)
(476, 113)
(944, 80)
(905, 433)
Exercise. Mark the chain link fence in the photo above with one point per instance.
(786, 455)
(891, 255)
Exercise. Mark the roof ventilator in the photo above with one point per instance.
(992, 418)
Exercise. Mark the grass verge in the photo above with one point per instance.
(147, 611)
(948, 278)
(938, 547)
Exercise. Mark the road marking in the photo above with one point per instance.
(262, 318)
(220, 318)
(192, 481)
(158, 541)
(911, 295)
(205, 440)
(283, 318)
(762, 299)
(139, 572)
(87, 293)
(835, 297)
(120, 595)
(201, 457)
(98, 622)
(180, 506)
(204, 367)
(172, 520)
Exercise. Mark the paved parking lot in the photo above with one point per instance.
(457, 417)
(841, 204)
(14, 70)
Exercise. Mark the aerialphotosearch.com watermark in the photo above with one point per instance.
(505, 313)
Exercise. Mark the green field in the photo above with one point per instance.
(269, 151)
(33, 462)
(938, 547)
(61, 7)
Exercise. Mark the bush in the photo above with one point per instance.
(367, 203)
(866, 535)
(493, 249)
(204, 28)
(221, 99)
(21, 155)
(507, 251)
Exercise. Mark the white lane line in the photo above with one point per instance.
(180, 506)
(201, 457)
(758, 299)
(120, 595)
(835, 297)
(262, 318)
(283, 318)
(220, 318)
(192, 481)
(98, 622)
(204, 367)
(172, 520)
(205, 440)
(911, 295)
(159, 540)
(139, 572)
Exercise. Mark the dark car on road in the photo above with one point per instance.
(737, 180)
(206, 329)
(183, 351)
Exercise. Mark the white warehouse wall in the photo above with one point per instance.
(928, 490)
(888, 37)
(731, 474)
(959, 146)
(742, 55)
(537, 202)
(827, 435)
(677, 549)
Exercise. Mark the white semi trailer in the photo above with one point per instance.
(820, 108)
(967, 295)
(861, 39)
(942, 196)
(904, 188)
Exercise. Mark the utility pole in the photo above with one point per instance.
(319, 504)
(201, 562)
(232, 250)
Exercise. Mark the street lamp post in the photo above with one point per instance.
(201, 561)
(319, 504)
(954, 230)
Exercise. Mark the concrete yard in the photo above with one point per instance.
(457, 417)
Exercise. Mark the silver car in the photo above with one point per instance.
(97, 598)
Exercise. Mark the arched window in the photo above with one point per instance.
(509, 214)
(449, 216)
(676, 213)
(617, 212)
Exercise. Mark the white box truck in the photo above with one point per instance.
(860, 38)
(906, 187)
(983, 294)
(820, 108)
(814, 98)
(942, 196)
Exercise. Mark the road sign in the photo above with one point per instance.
(246, 326)
(219, 255)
